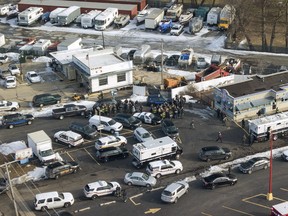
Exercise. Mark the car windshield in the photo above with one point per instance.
(88, 128)
(145, 176)
(61, 195)
(10, 81)
(146, 135)
(173, 129)
(33, 75)
(9, 103)
(46, 153)
(132, 119)
(176, 27)
(13, 67)
(112, 122)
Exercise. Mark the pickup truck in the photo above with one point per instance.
(69, 110)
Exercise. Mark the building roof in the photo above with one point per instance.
(258, 83)
(65, 56)
(69, 41)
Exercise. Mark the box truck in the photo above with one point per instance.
(67, 16)
(106, 18)
(227, 16)
(41, 145)
(155, 149)
(53, 15)
(154, 18)
(88, 20)
(213, 16)
(30, 15)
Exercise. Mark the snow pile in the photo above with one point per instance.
(188, 75)
(10, 148)
(42, 59)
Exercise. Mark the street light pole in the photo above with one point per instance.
(270, 194)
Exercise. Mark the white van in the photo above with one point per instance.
(105, 123)
(50, 200)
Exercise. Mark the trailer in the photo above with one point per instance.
(122, 20)
(106, 18)
(213, 16)
(29, 16)
(155, 149)
(227, 16)
(141, 16)
(154, 18)
(4, 9)
(53, 15)
(195, 25)
(140, 55)
(67, 16)
(260, 129)
(88, 20)
(185, 17)
(174, 12)
(202, 12)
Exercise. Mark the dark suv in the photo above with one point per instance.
(86, 131)
(214, 153)
(112, 153)
(46, 99)
(59, 168)
(17, 119)
(127, 120)
(169, 129)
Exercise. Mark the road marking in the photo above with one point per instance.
(206, 214)
(131, 199)
(152, 211)
(235, 210)
(91, 156)
(80, 210)
(154, 189)
(70, 156)
(284, 189)
(107, 203)
(260, 205)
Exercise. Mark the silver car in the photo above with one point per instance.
(140, 179)
(174, 191)
(142, 135)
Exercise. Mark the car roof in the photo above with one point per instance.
(215, 175)
(107, 138)
(137, 174)
(73, 134)
(10, 77)
(47, 195)
(210, 148)
(159, 162)
(141, 130)
(97, 184)
(173, 186)
(168, 122)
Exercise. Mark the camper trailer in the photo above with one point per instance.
(67, 16)
(30, 15)
(106, 18)
(140, 55)
(53, 15)
(154, 18)
(4, 9)
(88, 20)
(174, 12)
(213, 16)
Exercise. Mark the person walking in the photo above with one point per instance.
(124, 196)
(219, 137)
(243, 123)
(244, 138)
(192, 124)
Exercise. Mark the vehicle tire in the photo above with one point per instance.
(56, 140)
(208, 160)
(177, 156)
(106, 159)
(66, 205)
(41, 105)
(112, 131)
(13, 109)
(29, 122)
(249, 171)
(176, 200)
(94, 197)
(129, 183)
(226, 157)
(125, 156)
(265, 167)
(275, 137)
(187, 191)
(44, 208)
(123, 144)
(148, 186)
(11, 126)
(158, 176)
(178, 171)
(76, 170)
(69, 146)
(82, 113)
(212, 187)
(61, 117)
(57, 177)
(94, 127)
(58, 101)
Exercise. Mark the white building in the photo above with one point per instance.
(102, 70)
(70, 44)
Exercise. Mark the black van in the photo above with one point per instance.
(86, 131)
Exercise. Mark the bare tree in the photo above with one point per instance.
(264, 4)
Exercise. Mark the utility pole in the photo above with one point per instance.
(11, 187)
(162, 80)
(103, 40)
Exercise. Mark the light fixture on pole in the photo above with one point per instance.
(270, 194)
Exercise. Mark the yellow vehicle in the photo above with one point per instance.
(227, 16)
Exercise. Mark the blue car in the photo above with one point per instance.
(17, 119)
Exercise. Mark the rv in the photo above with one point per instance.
(87, 20)
(67, 16)
(4, 9)
(155, 149)
(30, 15)
(54, 13)
(213, 16)
(154, 18)
(276, 125)
(106, 18)
(140, 55)
(174, 12)
(226, 17)
(143, 14)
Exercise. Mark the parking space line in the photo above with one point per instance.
(91, 156)
(235, 210)
(206, 214)
(284, 189)
(247, 200)
(131, 199)
(70, 156)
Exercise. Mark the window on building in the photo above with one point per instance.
(121, 77)
(103, 81)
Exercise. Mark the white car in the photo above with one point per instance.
(174, 191)
(69, 137)
(176, 29)
(14, 69)
(164, 167)
(148, 118)
(142, 135)
(100, 188)
(8, 105)
(33, 77)
(139, 179)
(285, 155)
(110, 141)
(4, 59)
(10, 82)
